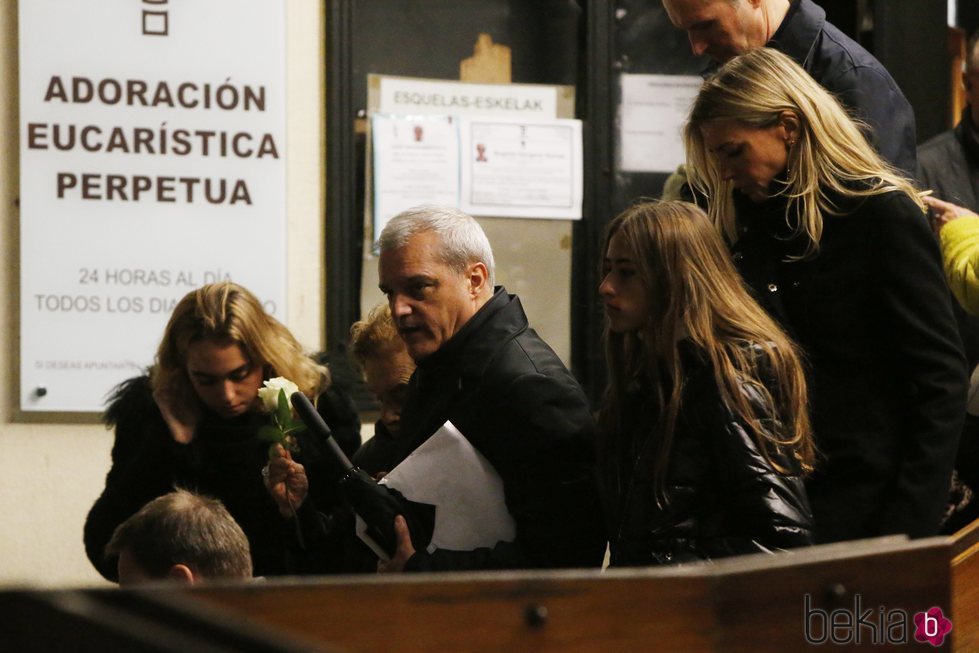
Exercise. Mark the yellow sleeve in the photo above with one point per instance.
(960, 253)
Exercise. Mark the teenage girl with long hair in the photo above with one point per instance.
(705, 430)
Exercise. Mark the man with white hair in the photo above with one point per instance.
(483, 368)
(723, 29)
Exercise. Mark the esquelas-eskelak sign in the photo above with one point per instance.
(152, 161)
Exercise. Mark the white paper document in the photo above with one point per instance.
(416, 161)
(521, 168)
(470, 508)
(651, 117)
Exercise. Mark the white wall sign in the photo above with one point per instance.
(152, 138)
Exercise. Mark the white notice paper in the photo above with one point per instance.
(416, 161)
(521, 168)
(651, 117)
(447, 472)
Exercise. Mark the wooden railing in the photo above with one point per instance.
(755, 604)
(850, 596)
(965, 589)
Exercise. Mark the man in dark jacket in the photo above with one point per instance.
(949, 165)
(950, 161)
(723, 29)
(481, 367)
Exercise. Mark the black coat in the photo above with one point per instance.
(887, 380)
(949, 164)
(509, 394)
(381, 453)
(723, 496)
(844, 68)
(224, 460)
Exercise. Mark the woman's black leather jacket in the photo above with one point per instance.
(723, 496)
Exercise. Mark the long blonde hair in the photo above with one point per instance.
(832, 157)
(697, 295)
(226, 311)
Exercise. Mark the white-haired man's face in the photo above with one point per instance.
(430, 302)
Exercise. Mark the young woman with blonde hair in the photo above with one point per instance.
(835, 245)
(705, 430)
(225, 317)
(193, 421)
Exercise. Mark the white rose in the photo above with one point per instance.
(269, 394)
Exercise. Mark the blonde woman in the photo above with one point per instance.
(193, 421)
(705, 431)
(835, 245)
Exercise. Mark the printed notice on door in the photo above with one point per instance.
(521, 168)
